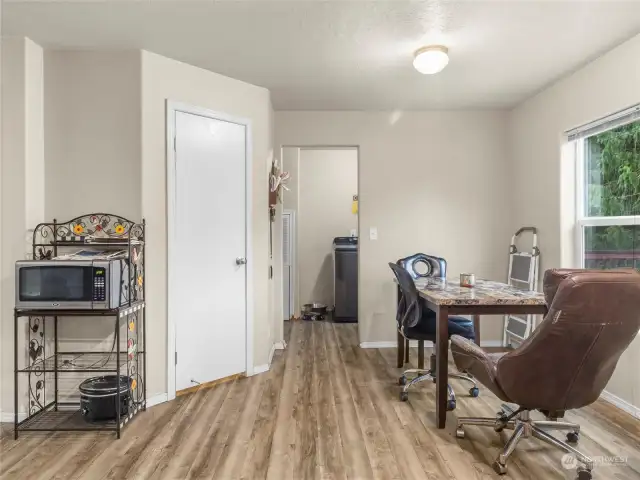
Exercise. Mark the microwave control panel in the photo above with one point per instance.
(99, 293)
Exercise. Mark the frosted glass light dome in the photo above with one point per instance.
(431, 59)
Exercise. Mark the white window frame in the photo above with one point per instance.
(582, 220)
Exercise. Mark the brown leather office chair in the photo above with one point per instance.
(565, 364)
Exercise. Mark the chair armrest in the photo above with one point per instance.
(467, 346)
(472, 359)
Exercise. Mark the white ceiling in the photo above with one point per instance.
(342, 54)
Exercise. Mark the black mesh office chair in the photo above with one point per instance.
(421, 265)
(417, 322)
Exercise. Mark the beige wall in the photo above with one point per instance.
(328, 180)
(276, 307)
(290, 163)
(165, 79)
(434, 182)
(92, 133)
(93, 148)
(2, 349)
(22, 181)
(542, 186)
(105, 150)
(34, 134)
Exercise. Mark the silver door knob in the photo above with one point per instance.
(241, 261)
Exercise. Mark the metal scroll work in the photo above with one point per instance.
(36, 362)
(85, 229)
(133, 359)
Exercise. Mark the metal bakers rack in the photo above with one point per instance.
(46, 377)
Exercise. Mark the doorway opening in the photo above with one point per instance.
(210, 318)
(320, 231)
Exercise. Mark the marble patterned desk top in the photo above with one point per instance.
(485, 292)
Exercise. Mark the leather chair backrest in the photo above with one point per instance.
(434, 266)
(409, 308)
(566, 363)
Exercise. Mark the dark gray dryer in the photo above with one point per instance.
(345, 279)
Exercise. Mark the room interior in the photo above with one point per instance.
(340, 101)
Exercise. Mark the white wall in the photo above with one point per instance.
(165, 79)
(22, 179)
(328, 180)
(92, 134)
(543, 182)
(433, 182)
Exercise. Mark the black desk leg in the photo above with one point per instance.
(442, 359)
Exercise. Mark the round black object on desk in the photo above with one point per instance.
(98, 399)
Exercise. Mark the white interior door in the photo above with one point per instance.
(208, 295)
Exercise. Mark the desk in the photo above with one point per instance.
(446, 297)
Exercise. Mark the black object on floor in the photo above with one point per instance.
(98, 399)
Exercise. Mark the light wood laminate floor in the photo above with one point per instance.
(326, 410)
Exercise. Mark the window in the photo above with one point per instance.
(608, 201)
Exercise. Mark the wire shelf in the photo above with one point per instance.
(79, 362)
(69, 417)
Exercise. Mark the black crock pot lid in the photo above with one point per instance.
(104, 384)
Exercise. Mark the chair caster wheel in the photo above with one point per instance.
(459, 432)
(402, 380)
(573, 437)
(404, 396)
(451, 405)
(583, 474)
(499, 468)
(474, 392)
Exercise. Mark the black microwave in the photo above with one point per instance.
(71, 284)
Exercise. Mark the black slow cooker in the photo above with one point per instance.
(98, 397)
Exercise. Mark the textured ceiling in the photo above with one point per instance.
(349, 54)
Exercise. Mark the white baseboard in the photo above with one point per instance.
(620, 403)
(260, 369)
(414, 343)
(157, 399)
(281, 345)
(7, 417)
(265, 368)
(271, 353)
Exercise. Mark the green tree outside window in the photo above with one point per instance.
(613, 189)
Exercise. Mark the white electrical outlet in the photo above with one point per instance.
(354, 232)
(373, 233)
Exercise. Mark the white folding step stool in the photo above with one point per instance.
(523, 275)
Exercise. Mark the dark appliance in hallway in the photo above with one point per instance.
(345, 279)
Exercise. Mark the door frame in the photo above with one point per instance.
(314, 146)
(173, 107)
(292, 260)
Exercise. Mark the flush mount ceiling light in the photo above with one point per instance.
(431, 59)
